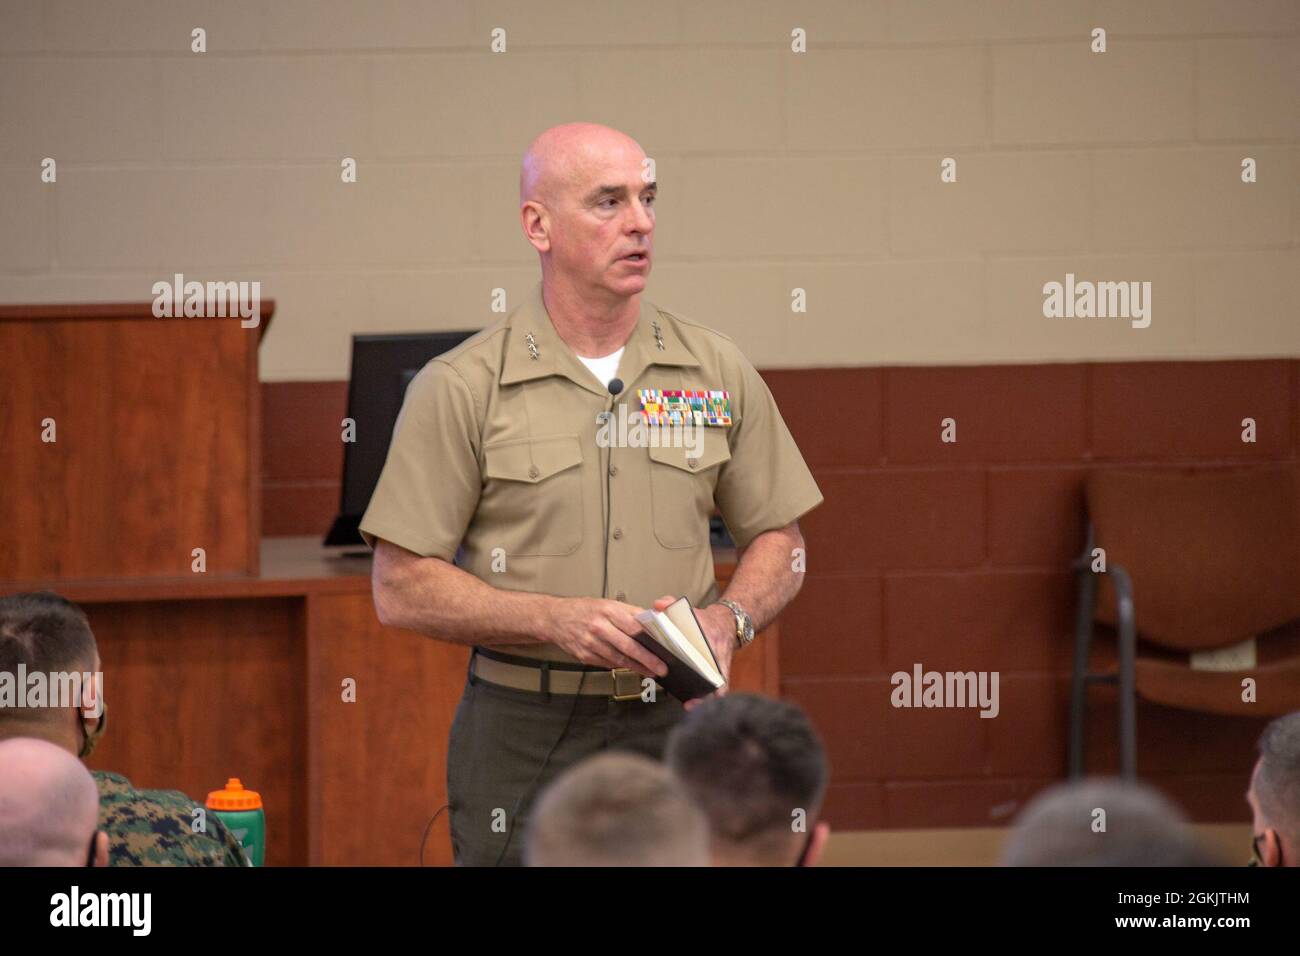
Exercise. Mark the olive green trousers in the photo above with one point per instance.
(500, 740)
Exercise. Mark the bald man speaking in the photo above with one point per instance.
(554, 475)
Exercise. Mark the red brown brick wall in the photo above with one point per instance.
(951, 555)
(302, 455)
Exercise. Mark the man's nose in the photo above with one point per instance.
(640, 218)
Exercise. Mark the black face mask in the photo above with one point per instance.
(92, 739)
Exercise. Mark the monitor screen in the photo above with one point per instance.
(382, 367)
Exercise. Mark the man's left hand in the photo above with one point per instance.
(719, 626)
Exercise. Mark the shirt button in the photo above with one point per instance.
(693, 462)
(618, 533)
(613, 471)
(533, 472)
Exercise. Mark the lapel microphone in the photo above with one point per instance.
(615, 388)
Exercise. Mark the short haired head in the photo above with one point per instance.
(49, 806)
(45, 632)
(616, 809)
(756, 766)
(42, 632)
(1103, 822)
(1274, 794)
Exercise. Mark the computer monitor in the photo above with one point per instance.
(382, 367)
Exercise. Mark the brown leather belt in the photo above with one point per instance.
(542, 677)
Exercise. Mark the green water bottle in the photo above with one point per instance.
(241, 811)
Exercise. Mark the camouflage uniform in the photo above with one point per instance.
(152, 828)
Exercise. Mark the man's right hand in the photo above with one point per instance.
(595, 631)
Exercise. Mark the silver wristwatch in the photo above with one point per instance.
(744, 623)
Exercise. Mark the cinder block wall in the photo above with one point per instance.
(780, 170)
(956, 557)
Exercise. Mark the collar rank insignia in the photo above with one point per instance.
(692, 406)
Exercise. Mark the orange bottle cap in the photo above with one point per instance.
(234, 797)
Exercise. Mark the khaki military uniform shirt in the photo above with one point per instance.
(495, 456)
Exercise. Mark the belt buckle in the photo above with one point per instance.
(618, 672)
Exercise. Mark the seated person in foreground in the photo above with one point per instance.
(758, 770)
(48, 807)
(45, 634)
(616, 809)
(1274, 794)
(1103, 822)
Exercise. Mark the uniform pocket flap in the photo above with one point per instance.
(694, 456)
(531, 459)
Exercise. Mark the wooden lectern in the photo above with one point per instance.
(128, 442)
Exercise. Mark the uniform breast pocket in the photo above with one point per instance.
(532, 499)
(681, 488)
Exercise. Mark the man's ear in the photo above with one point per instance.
(92, 695)
(1271, 850)
(101, 848)
(821, 833)
(536, 225)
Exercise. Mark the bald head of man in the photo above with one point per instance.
(586, 202)
(49, 807)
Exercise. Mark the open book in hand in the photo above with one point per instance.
(675, 637)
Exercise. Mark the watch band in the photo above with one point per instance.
(744, 623)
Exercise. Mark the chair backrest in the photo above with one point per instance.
(1214, 555)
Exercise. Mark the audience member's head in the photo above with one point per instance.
(616, 809)
(1274, 794)
(1103, 822)
(758, 770)
(49, 806)
(47, 635)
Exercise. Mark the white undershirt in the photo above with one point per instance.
(605, 367)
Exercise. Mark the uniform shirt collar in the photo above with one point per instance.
(531, 325)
